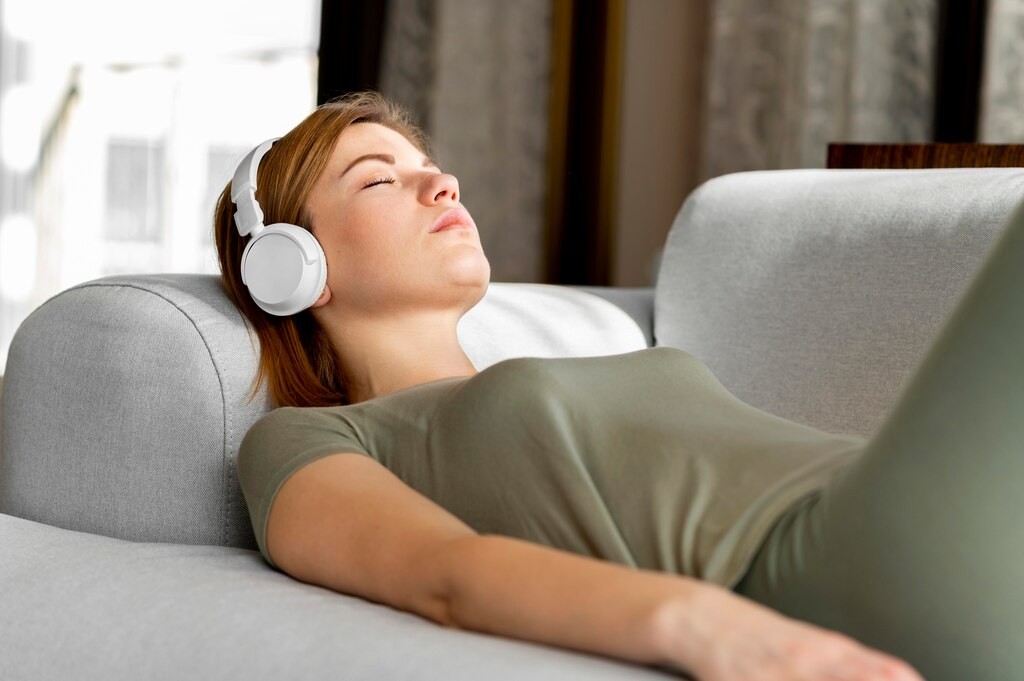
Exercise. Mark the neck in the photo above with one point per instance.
(383, 354)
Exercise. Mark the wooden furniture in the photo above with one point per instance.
(936, 155)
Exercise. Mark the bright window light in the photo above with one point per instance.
(20, 128)
(17, 258)
(121, 121)
(22, 19)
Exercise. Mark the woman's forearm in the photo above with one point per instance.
(514, 588)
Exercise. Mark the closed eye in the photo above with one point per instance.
(379, 180)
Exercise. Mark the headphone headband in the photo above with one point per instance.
(248, 214)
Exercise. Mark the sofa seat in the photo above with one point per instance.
(91, 607)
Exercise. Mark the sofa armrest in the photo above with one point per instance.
(813, 294)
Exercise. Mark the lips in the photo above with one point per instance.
(454, 218)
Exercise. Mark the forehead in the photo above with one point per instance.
(370, 138)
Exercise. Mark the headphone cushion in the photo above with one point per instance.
(284, 268)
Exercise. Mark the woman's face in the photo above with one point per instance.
(392, 226)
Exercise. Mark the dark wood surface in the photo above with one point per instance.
(937, 155)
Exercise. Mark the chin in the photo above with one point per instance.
(468, 279)
(470, 269)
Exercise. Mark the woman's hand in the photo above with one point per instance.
(731, 638)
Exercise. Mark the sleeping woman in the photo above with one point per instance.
(626, 505)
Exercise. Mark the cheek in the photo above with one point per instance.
(368, 254)
(357, 240)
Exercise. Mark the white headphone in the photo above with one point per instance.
(283, 265)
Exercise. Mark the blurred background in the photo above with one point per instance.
(576, 127)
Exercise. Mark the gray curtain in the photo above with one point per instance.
(476, 73)
(786, 77)
(1002, 101)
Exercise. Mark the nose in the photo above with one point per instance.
(440, 188)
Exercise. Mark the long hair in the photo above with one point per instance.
(297, 361)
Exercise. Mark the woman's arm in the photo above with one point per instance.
(347, 523)
(501, 585)
(506, 586)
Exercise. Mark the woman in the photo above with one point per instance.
(559, 501)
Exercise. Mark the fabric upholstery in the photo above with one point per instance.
(124, 403)
(79, 606)
(126, 398)
(538, 320)
(1, 417)
(812, 294)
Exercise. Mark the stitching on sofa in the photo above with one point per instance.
(225, 472)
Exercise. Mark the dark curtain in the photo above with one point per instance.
(351, 35)
(958, 74)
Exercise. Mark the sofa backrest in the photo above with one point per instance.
(125, 399)
(813, 294)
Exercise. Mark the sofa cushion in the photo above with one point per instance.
(539, 320)
(126, 398)
(90, 608)
(812, 294)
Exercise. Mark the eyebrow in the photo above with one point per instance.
(386, 158)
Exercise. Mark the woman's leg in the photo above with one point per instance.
(918, 548)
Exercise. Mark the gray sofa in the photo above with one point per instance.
(125, 546)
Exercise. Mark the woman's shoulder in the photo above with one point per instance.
(285, 416)
(359, 421)
(294, 424)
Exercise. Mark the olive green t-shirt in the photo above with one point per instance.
(643, 458)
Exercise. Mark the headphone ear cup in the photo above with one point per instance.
(284, 269)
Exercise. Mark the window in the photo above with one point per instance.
(134, 190)
(116, 141)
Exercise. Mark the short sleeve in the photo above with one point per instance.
(281, 443)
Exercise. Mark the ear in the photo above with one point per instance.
(325, 297)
